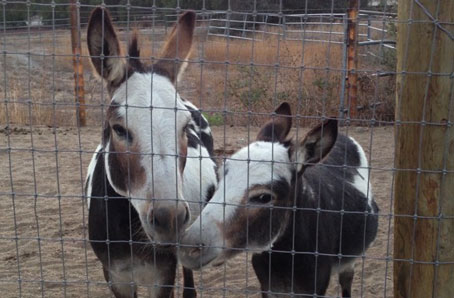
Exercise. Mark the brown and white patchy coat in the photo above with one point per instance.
(155, 156)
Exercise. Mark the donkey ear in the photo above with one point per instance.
(277, 129)
(178, 46)
(102, 40)
(316, 145)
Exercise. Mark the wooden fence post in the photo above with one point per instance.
(77, 65)
(352, 58)
(424, 181)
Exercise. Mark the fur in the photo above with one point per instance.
(297, 206)
(148, 164)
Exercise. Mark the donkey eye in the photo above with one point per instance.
(121, 132)
(261, 199)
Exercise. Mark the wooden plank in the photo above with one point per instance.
(423, 247)
(77, 65)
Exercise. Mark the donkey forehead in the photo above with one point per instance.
(134, 99)
(267, 162)
(145, 89)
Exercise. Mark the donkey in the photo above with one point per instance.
(303, 209)
(156, 150)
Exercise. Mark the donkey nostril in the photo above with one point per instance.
(195, 252)
(187, 217)
(183, 217)
(153, 219)
(155, 222)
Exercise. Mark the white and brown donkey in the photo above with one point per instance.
(302, 208)
(155, 153)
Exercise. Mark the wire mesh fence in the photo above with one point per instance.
(161, 179)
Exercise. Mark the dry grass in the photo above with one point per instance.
(259, 75)
(30, 109)
(39, 88)
(38, 114)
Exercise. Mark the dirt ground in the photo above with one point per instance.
(43, 234)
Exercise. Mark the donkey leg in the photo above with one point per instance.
(166, 278)
(120, 285)
(260, 265)
(323, 276)
(275, 281)
(346, 280)
(189, 289)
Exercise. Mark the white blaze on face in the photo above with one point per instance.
(268, 162)
(155, 116)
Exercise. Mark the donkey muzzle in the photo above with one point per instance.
(167, 221)
(197, 250)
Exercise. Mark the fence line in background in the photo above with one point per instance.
(371, 31)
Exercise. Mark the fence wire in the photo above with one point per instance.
(272, 223)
